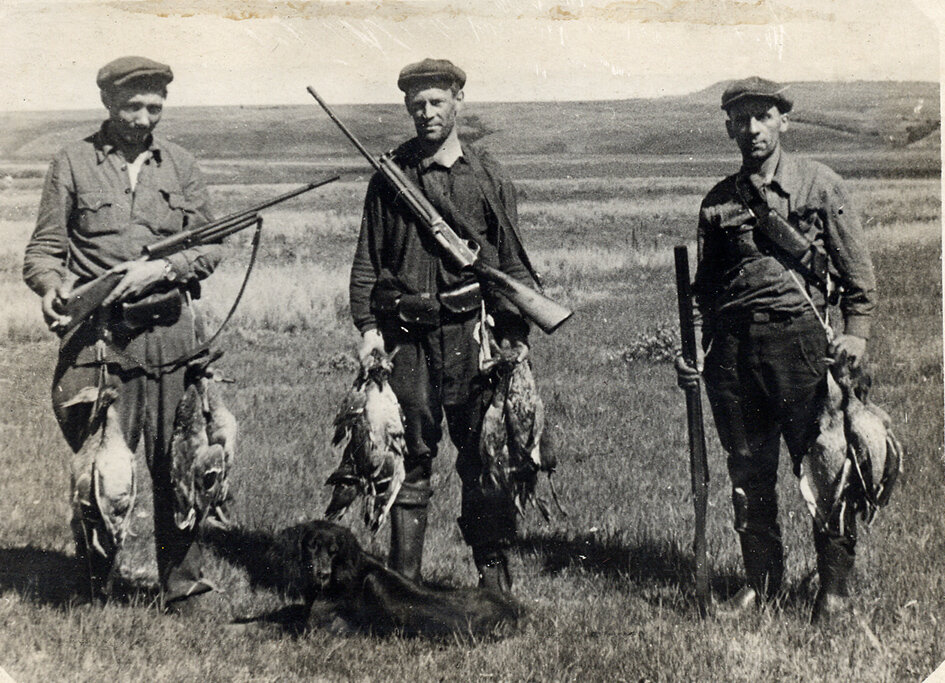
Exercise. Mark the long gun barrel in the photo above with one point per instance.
(547, 314)
(698, 465)
(84, 300)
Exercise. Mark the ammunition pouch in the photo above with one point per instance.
(464, 299)
(159, 308)
(391, 299)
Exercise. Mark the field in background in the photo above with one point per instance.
(608, 588)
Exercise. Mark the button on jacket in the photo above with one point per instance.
(739, 274)
(91, 219)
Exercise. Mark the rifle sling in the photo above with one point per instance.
(758, 208)
(498, 208)
(155, 370)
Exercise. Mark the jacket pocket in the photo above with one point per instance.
(95, 213)
(165, 211)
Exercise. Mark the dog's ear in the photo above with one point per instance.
(348, 560)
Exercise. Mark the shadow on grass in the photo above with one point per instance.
(648, 563)
(257, 553)
(50, 577)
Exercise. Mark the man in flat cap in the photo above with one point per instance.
(105, 198)
(763, 326)
(407, 294)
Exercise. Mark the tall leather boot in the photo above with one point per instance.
(762, 551)
(763, 555)
(408, 526)
(94, 570)
(835, 559)
(493, 568)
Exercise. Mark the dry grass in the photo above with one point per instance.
(609, 588)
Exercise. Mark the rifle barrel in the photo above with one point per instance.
(209, 231)
(344, 128)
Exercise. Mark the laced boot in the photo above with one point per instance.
(408, 526)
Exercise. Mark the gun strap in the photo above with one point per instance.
(498, 208)
(155, 370)
(759, 208)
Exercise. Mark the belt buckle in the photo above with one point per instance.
(760, 317)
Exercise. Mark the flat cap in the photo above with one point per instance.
(758, 88)
(124, 70)
(436, 70)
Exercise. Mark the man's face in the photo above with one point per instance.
(433, 111)
(133, 112)
(756, 127)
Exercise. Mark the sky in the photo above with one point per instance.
(266, 51)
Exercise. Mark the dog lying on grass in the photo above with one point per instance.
(347, 590)
(370, 597)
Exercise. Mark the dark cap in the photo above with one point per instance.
(757, 88)
(124, 70)
(431, 70)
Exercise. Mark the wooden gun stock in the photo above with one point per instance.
(698, 464)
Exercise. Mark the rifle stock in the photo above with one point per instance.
(544, 312)
(698, 464)
(84, 300)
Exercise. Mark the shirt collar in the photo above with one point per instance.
(445, 156)
(785, 177)
(104, 145)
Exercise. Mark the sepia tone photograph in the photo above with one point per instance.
(505, 340)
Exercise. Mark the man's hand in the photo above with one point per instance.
(372, 339)
(140, 276)
(686, 375)
(53, 302)
(855, 348)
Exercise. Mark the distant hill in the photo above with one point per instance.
(828, 117)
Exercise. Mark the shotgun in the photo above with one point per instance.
(83, 300)
(698, 465)
(547, 314)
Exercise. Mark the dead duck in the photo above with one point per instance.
(369, 431)
(103, 473)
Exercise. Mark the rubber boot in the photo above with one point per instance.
(493, 568)
(408, 527)
(835, 559)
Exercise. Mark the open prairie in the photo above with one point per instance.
(609, 588)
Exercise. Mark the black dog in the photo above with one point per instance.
(368, 596)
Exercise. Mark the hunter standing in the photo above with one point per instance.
(104, 198)
(406, 294)
(766, 346)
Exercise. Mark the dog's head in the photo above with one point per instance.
(331, 558)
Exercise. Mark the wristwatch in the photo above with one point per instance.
(169, 273)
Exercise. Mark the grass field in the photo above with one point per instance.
(609, 588)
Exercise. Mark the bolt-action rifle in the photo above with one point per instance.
(547, 314)
(83, 300)
(698, 465)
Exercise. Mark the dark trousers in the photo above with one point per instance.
(436, 372)
(766, 380)
(145, 408)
